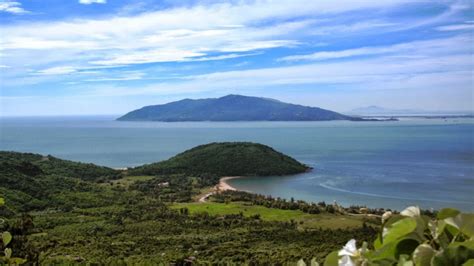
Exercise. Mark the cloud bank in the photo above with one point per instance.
(258, 46)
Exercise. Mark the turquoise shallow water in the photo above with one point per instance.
(427, 162)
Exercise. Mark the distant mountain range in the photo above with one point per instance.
(374, 110)
(233, 108)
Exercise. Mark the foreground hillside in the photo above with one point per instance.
(66, 212)
(36, 164)
(232, 108)
(32, 181)
(55, 211)
(226, 159)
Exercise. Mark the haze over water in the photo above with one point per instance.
(425, 162)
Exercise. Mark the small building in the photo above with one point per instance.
(164, 184)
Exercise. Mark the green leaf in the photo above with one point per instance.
(314, 262)
(422, 223)
(393, 219)
(451, 231)
(332, 259)
(441, 236)
(406, 246)
(456, 254)
(464, 222)
(468, 224)
(447, 212)
(8, 253)
(2, 201)
(399, 229)
(468, 244)
(377, 242)
(405, 261)
(455, 221)
(469, 263)
(440, 228)
(423, 254)
(387, 252)
(6, 237)
(17, 261)
(301, 263)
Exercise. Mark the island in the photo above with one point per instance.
(233, 108)
(226, 159)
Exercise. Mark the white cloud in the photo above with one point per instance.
(440, 64)
(439, 80)
(224, 56)
(223, 31)
(325, 55)
(352, 28)
(125, 76)
(88, 2)
(13, 7)
(430, 47)
(38, 43)
(148, 56)
(57, 70)
(445, 72)
(456, 27)
(175, 34)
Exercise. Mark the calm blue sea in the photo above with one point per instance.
(425, 162)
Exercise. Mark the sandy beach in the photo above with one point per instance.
(222, 186)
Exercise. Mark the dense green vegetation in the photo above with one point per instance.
(302, 220)
(65, 212)
(35, 164)
(279, 203)
(94, 214)
(31, 181)
(174, 188)
(225, 159)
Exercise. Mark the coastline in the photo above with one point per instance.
(221, 186)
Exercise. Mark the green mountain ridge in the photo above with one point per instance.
(34, 182)
(232, 108)
(50, 165)
(225, 159)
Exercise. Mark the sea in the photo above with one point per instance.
(394, 164)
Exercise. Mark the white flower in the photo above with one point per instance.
(386, 216)
(349, 249)
(346, 261)
(412, 211)
(347, 252)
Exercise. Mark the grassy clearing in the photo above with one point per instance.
(305, 220)
(129, 180)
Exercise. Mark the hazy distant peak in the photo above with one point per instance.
(369, 108)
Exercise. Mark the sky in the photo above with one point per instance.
(83, 57)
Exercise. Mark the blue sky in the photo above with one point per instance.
(63, 57)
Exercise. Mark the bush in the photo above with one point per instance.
(414, 239)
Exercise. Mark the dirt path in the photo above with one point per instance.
(222, 186)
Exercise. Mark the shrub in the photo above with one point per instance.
(414, 239)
